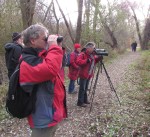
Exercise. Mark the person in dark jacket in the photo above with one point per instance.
(13, 52)
(41, 67)
(62, 70)
(86, 60)
(73, 68)
(133, 46)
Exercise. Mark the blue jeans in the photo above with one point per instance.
(82, 95)
(71, 86)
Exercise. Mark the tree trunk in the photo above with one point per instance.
(48, 9)
(87, 20)
(146, 37)
(95, 19)
(57, 20)
(137, 26)
(111, 34)
(79, 22)
(114, 44)
(27, 10)
(66, 22)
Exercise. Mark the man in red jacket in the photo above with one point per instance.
(73, 68)
(41, 67)
(86, 60)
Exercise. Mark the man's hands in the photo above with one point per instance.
(101, 57)
(88, 60)
(52, 40)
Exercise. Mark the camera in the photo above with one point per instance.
(60, 39)
(101, 52)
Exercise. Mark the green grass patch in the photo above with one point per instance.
(144, 68)
(133, 117)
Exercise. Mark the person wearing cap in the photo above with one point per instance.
(86, 60)
(13, 52)
(73, 68)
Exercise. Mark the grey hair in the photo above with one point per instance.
(90, 45)
(33, 32)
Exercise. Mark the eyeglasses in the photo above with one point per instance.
(45, 39)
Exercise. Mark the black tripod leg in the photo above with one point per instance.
(110, 83)
(91, 82)
(94, 88)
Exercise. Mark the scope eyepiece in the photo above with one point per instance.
(101, 52)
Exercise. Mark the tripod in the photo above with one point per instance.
(100, 67)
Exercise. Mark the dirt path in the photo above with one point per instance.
(81, 123)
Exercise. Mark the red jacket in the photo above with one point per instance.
(62, 71)
(73, 68)
(43, 69)
(85, 66)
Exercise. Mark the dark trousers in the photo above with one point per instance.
(71, 86)
(82, 95)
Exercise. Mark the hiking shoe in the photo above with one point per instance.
(81, 105)
(74, 92)
(87, 102)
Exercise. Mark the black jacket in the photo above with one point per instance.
(12, 55)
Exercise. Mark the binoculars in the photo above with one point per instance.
(60, 39)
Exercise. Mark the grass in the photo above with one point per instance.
(132, 118)
(3, 91)
(144, 67)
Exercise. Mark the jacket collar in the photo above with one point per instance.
(32, 51)
(76, 51)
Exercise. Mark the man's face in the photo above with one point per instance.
(20, 40)
(91, 49)
(40, 42)
(79, 50)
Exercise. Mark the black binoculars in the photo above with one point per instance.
(60, 39)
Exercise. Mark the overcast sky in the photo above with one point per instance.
(70, 8)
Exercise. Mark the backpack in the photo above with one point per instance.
(19, 103)
(68, 59)
(12, 54)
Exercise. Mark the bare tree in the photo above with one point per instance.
(97, 2)
(114, 43)
(48, 9)
(137, 26)
(87, 20)
(148, 12)
(57, 20)
(146, 37)
(136, 23)
(66, 22)
(27, 10)
(79, 22)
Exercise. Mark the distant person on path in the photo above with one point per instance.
(13, 52)
(73, 68)
(86, 60)
(42, 61)
(133, 46)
